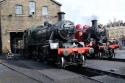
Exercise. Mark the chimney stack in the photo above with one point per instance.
(94, 24)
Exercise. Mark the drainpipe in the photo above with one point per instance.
(1, 27)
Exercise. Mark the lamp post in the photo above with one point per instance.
(0, 27)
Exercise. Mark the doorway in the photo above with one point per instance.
(16, 41)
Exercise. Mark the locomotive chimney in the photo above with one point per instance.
(61, 16)
(94, 23)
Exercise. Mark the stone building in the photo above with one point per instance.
(17, 15)
(118, 33)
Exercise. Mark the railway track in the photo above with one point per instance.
(86, 71)
(47, 74)
(113, 59)
(93, 72)
(119, 57)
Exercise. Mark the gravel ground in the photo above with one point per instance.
(28, 71)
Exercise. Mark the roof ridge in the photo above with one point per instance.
(57, 2)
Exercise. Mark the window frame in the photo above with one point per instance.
(47, 11)
(34, 8)
(17, 5)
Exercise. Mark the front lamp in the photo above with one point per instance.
(54, 45)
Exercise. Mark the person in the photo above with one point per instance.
(79, 33)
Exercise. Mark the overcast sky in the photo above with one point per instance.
(81, 11)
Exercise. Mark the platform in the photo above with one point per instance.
(108, 79)
(120, 54)
(107, 66)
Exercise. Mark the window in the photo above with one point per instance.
(44, 10)
(19, 9)
(31, 7)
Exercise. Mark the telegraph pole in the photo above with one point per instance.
(1, 27)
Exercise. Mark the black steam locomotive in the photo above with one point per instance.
(54, 43)
(97, 38)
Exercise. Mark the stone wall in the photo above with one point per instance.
(117, 33)
(10, 22)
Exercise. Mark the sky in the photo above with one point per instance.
(82, 11)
